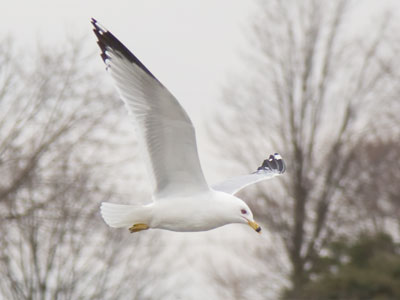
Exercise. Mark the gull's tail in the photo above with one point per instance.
(120, 215)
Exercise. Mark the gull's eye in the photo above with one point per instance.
(243, 211)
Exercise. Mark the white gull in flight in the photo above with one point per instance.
(182, 199)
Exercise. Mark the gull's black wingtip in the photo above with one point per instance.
(104, 37)
(274, 163)
(97, 29)
(108, 42)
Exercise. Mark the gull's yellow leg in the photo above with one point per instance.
(138, 227)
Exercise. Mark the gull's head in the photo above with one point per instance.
(246, 216)
(237, 211)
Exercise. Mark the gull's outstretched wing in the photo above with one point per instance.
(165, 131)
(273, 166)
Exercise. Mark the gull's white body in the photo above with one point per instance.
(188, 213)
(183, 201)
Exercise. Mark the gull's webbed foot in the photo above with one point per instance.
(138, 227)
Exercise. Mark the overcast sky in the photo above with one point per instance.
(191, 46)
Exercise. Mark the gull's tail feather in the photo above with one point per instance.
(120, 215)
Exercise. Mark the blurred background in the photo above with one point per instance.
(316, 81)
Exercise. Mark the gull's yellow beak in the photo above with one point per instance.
(254, 225)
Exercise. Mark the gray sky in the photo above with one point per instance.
(191, 46)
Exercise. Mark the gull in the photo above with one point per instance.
(182, 199)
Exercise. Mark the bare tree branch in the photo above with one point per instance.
(54, 123)
(315, 92)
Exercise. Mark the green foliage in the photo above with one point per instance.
(368, 268)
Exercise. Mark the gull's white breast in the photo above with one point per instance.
(197, 212)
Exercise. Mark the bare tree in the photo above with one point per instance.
(375, 195)
(317, 90)
(242, 278)
(56, 126)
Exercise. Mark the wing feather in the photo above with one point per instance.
(271, 167)
(165, 131)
